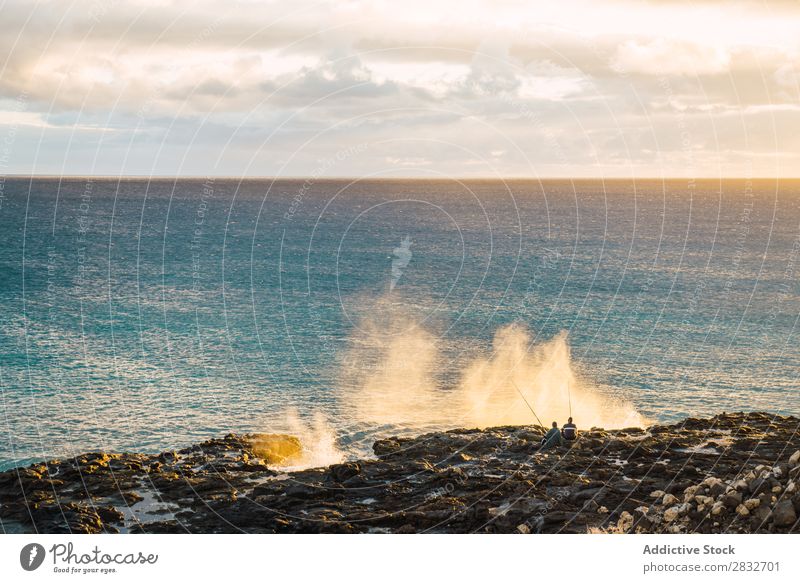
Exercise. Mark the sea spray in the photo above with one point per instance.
(392, 374)
(391, 379)
(389, 372)
(317, 440)
(545, 375)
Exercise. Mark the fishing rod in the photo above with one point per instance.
(528, 404)
(569, 397)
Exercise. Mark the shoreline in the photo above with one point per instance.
(734, 472)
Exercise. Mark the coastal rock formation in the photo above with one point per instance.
(730, 473)
(276, 448)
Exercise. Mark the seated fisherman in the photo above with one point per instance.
(552, 438)
(570, 431)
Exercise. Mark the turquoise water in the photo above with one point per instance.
(149, 314)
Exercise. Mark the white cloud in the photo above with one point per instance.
(530, 79)
(666, 57)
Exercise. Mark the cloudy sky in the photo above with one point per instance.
(418, 87)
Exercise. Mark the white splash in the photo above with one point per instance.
(391, 375)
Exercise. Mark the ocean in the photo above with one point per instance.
(145, 315)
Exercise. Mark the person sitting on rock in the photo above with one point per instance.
(552, 438)
(570, 431)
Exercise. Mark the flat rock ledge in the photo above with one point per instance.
(735, 472)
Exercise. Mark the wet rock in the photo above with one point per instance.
(343, 472)
(301, 490)
(128, 498)
(109, 514)
(384, 447)
(168, 457)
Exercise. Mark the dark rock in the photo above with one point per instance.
(384, 447)
(759, 486)
(732, 500)
(716, 490)
(109, 514)
(168, 457)
(784, 514)
(342, 472)
(463, 480)
(301, 490)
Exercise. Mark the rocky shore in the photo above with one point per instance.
(736, 472)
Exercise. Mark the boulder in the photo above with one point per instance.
(784, 514)
(276, 448)
(731, 499)
(342, 472)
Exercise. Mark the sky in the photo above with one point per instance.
(431, 88)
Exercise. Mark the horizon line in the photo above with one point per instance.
(354, 178)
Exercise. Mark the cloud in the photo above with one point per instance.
(573, 86)
(665, 57)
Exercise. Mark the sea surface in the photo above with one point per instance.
(150, 314)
